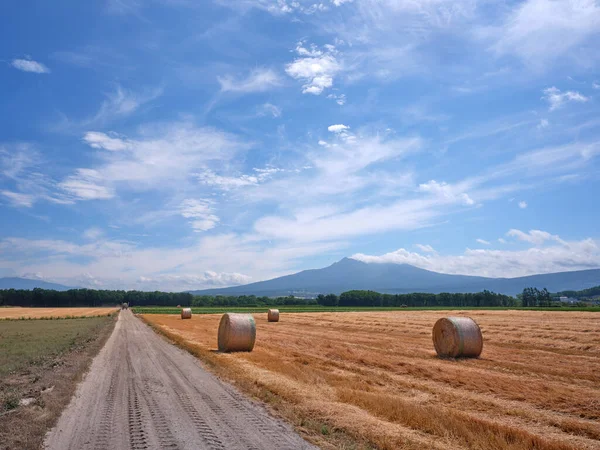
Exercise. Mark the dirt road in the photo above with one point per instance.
(144, 393)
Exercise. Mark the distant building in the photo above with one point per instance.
(568, 299)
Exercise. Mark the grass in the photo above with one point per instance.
(374, 378)
(312, 309)
(36, 355)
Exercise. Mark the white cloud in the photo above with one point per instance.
(162, 157)
(446, 191)
(102, 140)
(557, 100)
(93, 233)
(574, 255)
(259, 80)
(543, 124)
(22, 164)
(501, 240)
(541, 31)
(117, 105)
(123, 102)
(340, 99)
(596, 85)
(315, 68)
(482, 241)
(86, 184)
(536, 237)
(28, 65)
(269, 109)
(208, 279)
(523, 204)
(425, 248)
(227, 183)
(201, 212)
(19, 199)
(340, 2)
(277, 7)
(337, 128)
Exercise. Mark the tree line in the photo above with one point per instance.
(531, 297)
(91, 297)
(417, 299)
(584, 293)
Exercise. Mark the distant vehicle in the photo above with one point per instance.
(124, 305)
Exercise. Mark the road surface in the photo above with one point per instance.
(143, 393)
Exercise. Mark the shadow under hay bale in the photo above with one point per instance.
(457, 337)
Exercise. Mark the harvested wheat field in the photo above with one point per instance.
(375, 377)
(38, 313)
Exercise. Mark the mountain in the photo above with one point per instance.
(348, 274)
(26, 283)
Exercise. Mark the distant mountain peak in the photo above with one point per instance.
(348, 274)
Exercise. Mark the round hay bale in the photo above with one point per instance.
(273, 315)
(455, 337)
(237, 333)
(186, 313)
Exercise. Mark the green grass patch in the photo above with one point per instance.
(306, 309)
(24, 343)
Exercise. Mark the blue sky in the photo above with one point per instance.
(176, 144)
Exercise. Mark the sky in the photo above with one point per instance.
(177, 144)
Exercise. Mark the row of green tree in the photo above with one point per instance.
(531, 297)
(91, 297)
(371, 298)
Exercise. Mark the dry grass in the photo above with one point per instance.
(375, 377)
(38, 313)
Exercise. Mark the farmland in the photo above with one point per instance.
(318, 308)
(41, 361)
(372, 379)
(41, 313)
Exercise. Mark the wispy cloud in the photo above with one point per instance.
(541, 31)
(201, 213)
(87, 184)
(258, 80)
(446, 191)
(93, 233)
(482, 241)
(557, 99)
(522, 204)
(425, 248)
(268, 109)
(536, 237)
(149, 161)
(19, 199)
(102, 140)
(29, 65)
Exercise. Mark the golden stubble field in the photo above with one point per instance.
(37, 313)
(376, 376)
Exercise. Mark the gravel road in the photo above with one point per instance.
(143, 393)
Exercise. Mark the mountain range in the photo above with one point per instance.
(348, 274)
(26, 283)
